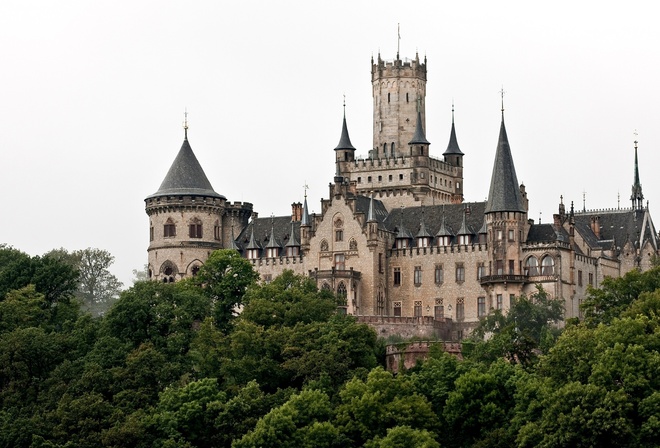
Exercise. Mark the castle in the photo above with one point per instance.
(395, 237)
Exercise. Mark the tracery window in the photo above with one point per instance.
(547, 265)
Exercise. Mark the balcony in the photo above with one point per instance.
(495, 279)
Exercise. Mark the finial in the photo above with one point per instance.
(618, 200)
(452, 111)
(502, 92)
(185, 123)
(635, 133)
(344, 105)
(305, 187)
(540, 214)
(561, 199)
(584, 201)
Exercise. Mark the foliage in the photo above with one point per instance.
(521, 333)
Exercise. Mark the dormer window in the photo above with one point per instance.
(272, 252)
(292, 251)
(401, 243)
(252, 254)
(444, 241)
(423, 241)
(464, 240)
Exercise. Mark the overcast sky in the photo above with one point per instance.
(92, 96)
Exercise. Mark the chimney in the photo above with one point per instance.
(296, 211)
(595, 226)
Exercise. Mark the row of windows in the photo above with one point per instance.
(459, 307)
(591, 278)
(194, 230)
(439, 274)
(434, 179)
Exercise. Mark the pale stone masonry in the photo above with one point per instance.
(395, 237)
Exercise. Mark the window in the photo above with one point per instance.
(401, 243)
(326, 287)
(195, 230)
(380, 263)
(340, 262)
(397, 276)
(169, 229)
(579, 278)
(547, 265)
(380, 178)
(444, 241)
(418, 308)
(499, 235)
(460, 308)
(359, 180)
(252, 254)
(499, 305)
(481, 306)
(423, 241)
(267, 278)
(460, 273)
(194, 270)
(591, 279)
(216, 231)
(390, 178)
(511, 233)
(397, 309)
(392, 155)
(341, 292)
(388, 97)
(499, 267)
(151, 233)
(406, 97)
(292, 251)
(512, 298)
(380, 302)
(532, 266)
(512, 265)
(418, 275)
(339, 235)
(400, 176)
(481, 270)
(439, 274)
(439, 312)
(368, 178)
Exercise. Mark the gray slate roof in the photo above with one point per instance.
(617, 227)
(344, 140)
(419, 138)
(281, 232)
(452, 147)
(504, 195)
(186, 177)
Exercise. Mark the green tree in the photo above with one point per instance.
(98, 288)
(404, 437)
(225, 278)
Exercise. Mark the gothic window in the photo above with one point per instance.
(340, 262)
(392, 147)
(397, 277)
(195, 270)
(397, 309)
(169, 229)
(195, 229)
(418, 308)
(532, 266)
(352, 244)
(326, 287)
(460, 308)
(400, 176)
(216, 231)
(169, 271)
(380, 302)
(339, 235)
(439, 274)
(324, 246)
(341, 292)
(439, 311)
(418, 275)
(481, 270)
(384, 149)
(547, 265)
(460, 273)
(481, 306)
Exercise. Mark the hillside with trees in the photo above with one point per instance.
(173, 365)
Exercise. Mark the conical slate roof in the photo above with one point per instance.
(186, 177)
(419, 138)
(504, 195)
(344, 140)
(452, 147)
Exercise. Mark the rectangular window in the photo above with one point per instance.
(151, 234)
(511, 266)
(499, 235)
(439, 274)
(216, 232)
(339, 235)
(460, 308)
(591, 279)
(499, 305)
(380, 178)
(397, 309)
(511, 233)
(169, 230)
(369, 179)
(390, 178)
(195, 230)
(397, 276)
(340, 262)
(400, 176)
(418, 308)
(579, 278)
(380, 263)
(359, 180)
(439, 312)
(481, 270)
(460, 273)
(512, 298)
(481, 306)
(499, 267)
(418, 275)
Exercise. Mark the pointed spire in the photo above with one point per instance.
(253, 242)
(272, 242)
(423, 233)
(293, 241)
(443, 231)
(344, 140)
(419, 138)
(637, 197)
(305, 221)
(186, 176)
(371, 216)
(403, 232)
(452, 147)
(232, 243)
(504, 195)
(464, 228)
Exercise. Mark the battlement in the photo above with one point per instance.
(396, 68)
(431, 250)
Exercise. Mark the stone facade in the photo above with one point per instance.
(395, 237)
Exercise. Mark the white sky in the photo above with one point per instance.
(92, 96)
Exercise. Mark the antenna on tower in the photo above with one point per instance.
(502, 92)
(398, 41)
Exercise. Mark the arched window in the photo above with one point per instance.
(325, 287)
(547, 265)
(341, 291)
(532, 266)
(169, 229)
(392, 147)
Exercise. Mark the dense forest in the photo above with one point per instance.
(172, 365)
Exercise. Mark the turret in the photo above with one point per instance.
(185, 218)
(344, 152)
(637, 197)
(453, 154)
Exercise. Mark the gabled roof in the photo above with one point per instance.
(504, 194)
(186, 177)
(617, 227)
(260, 231)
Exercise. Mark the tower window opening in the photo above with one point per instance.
(195, 230)
(169, 229)
(400, 176)
(406, 97)
(388, 97)
(392, 147)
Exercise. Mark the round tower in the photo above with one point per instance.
(397, 87)
(185, 219)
